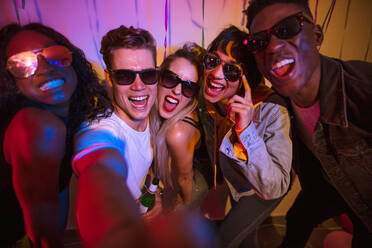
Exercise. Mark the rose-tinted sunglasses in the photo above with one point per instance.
(24, 64)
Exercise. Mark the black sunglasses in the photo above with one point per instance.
(231, 72)
(127, 77)
(169, 79)
(284, 29)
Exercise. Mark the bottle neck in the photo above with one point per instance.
(152, 188)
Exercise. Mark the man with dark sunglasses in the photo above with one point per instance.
(331, 106)
(119, 146)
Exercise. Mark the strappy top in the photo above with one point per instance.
(192, 122)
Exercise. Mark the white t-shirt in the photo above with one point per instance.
(113, 132)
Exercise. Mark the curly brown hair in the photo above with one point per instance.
(89, 101)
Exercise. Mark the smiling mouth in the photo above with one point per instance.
(170, 103)
(139, 102)
(49, 85)
(214, 88)
(282, 68)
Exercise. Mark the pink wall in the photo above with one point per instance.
(84, 22)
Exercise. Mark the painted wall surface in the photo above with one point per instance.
(84, 22)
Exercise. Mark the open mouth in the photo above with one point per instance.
(139, 102)
(282, 68)
(170, 103)
(50, 85)
(213, 88)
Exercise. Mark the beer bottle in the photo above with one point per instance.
(147, 199)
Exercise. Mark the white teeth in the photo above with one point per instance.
(216, 85)
(52, 84)
(282, 63)
(138, 98)
(171, 100)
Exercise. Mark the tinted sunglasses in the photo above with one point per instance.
(170, 80)
(127, 77)
(284, 29)
(231, 72)
(24, 64)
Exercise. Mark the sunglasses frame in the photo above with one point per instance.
(35, 62)
(113, 72)
(224, 68)
(300, 18)
(184, 83)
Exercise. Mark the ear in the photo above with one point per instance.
(318, 36)
(108, 78)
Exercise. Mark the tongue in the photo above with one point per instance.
(281, 71)
(169, 107)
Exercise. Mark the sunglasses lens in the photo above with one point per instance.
(231, 72)
(22, 65)
(210, 61)
(58, 55)
(149, 76)
(190, 89)
(123, 77)
(169, 80)
(258, 41)
(287, 28)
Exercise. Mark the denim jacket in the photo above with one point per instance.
(342, 138)
(268, 145)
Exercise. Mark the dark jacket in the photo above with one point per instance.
(342, 138)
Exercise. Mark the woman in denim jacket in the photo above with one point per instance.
(251, 130)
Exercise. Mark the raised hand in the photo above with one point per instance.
(241, 107)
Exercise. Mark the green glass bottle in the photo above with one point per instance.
(147, 201)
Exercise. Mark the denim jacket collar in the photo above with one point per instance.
(332, 96)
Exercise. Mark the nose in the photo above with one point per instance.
(218, 72)
(275, 44)
(137, 85)
(43, 66)
(178, 89)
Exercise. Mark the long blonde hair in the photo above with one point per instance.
(193, 53)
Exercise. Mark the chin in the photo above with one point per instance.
(210, 99)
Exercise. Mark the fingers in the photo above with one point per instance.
(247, 88)
(156, 210)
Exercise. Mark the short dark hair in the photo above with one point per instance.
(123, 37)
(255, 6)
(238, 52)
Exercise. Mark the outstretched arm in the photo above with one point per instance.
(34, 145)
(104, 203)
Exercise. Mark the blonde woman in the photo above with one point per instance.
(179, 134)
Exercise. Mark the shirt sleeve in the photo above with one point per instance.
(267, 167)
(90, 139)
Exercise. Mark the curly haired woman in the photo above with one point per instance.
(47, 89)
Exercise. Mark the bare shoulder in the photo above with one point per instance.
(34, 129)
(182, 133)
(34, 119)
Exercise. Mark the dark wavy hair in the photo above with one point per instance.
(89, 101)
(255, 6)
(123, 37)
(238, 52)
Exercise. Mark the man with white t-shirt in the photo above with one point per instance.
(113, 155)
